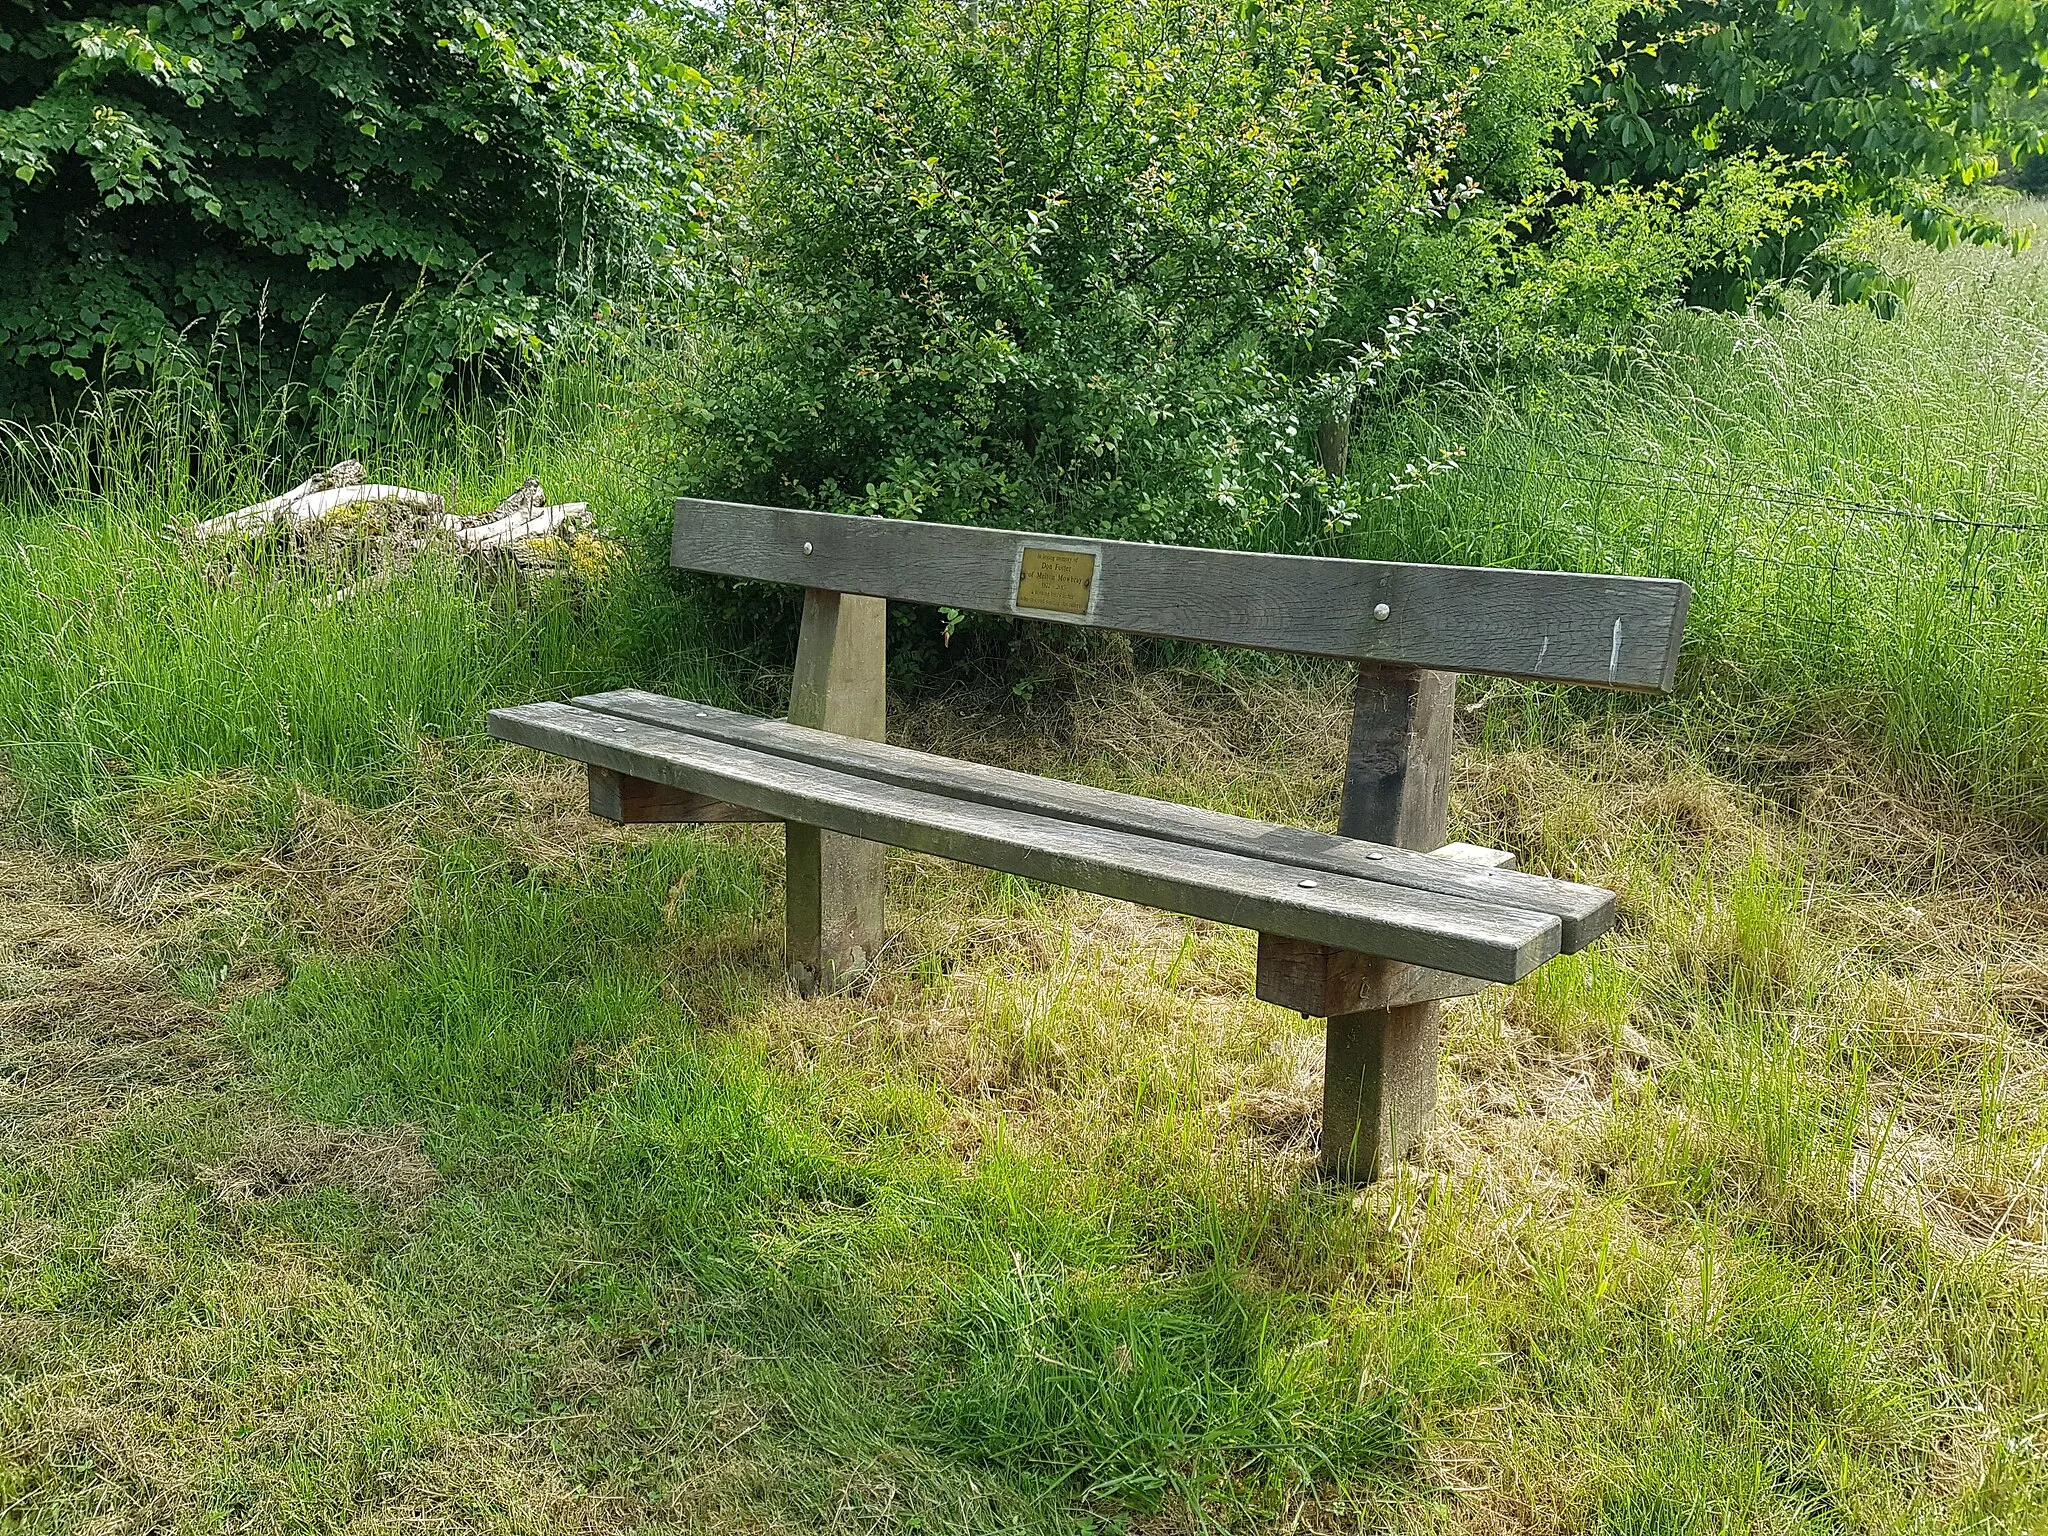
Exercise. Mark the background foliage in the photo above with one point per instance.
(1094, 263)
(1895, 105)
(1140, 269)
(1093, 260)
(492, 169)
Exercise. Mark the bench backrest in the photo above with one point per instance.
(1551, 626)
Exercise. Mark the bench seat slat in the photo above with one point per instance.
(1449, 933)
(1546, 626)
(1584, 911)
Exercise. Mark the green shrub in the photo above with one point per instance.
(1141, 269)
(1599, 260)
(487, 168)
(1101, 265)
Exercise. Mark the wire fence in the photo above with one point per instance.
(1915, 623)
(1521, 499)
(1693, 478)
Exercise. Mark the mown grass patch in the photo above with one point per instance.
(1731, 1224)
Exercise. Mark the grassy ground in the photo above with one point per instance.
(384, 1146)
(446, 1165)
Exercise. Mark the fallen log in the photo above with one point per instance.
(310, 502)
(398, 498)
(522, 527)
(259, 514)
(535, 523)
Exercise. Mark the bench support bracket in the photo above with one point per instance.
(621, 797)
(834, 883)
(1319, 982)
(1379, 1062)
(1322, 983)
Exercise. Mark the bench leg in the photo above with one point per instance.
(834, 884)
(1379, 1065)
(833, 899)
(1379, 1088)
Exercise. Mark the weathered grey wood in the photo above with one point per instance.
(833, 888)
(1319, 982)
(841, 682)
(1476, 853)
(1614, 631)
(1397, 786)
(622, 798)
(1585, 911)
(1380, 1063)
(1379, 1089)
(1470, 937)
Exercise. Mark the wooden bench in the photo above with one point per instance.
(1369, 928)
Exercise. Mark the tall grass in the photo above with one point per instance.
(1861, 504)
(128, 654)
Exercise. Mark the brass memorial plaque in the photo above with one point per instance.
(1055, 580)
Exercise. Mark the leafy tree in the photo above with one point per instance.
(1891, 104)
(491, 164)
(2028, 155)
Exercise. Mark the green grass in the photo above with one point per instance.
(129, 656)
(1703, 1250)
(1860, 503)
(384, 1146)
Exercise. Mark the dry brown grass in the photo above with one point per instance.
(218, 860)
(277, 1156)
(90, 1029)
(1923, 923)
